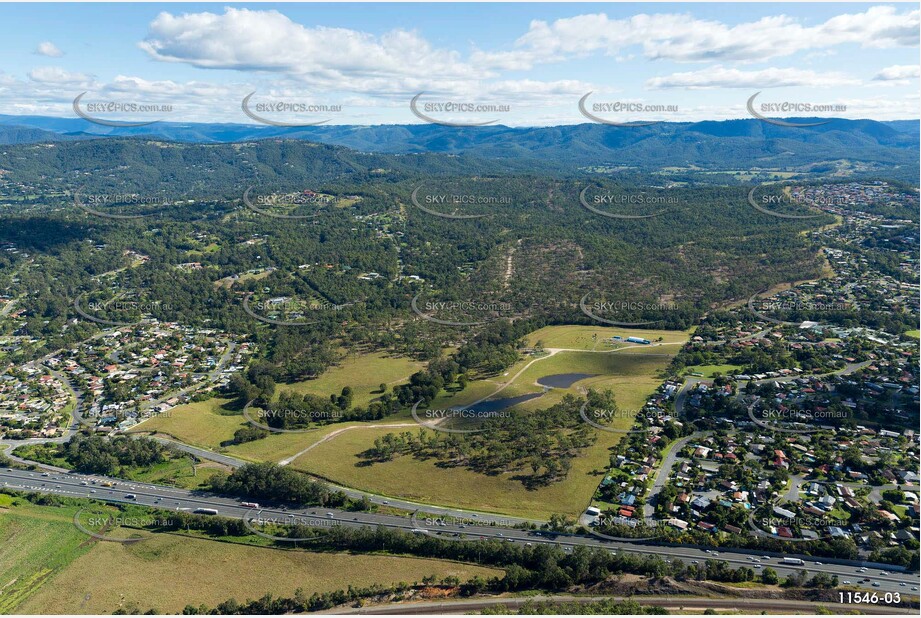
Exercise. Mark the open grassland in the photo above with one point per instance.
(363, 372)
(426, 482)
(166, 572)
(209, 423)
(203, 423)
(601, 365)
(632, 377)
(579, 337)
(36, 543)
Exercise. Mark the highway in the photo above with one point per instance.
(174, 499)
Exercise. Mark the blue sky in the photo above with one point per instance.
(530, 64)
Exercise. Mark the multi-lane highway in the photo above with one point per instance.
(466, 528)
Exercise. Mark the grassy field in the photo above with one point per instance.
(36, 543)
(631, 377)
(913, 333)
(47, 566)
(363, 372)
(580, 337)
(199, 424)
(168, 572)
(210, 423)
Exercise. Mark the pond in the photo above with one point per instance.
(563, 380)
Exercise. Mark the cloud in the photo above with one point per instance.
(683, 38)
(721, 77)
(59, 77)
(47, 48)
(898, 72)
(255, 40)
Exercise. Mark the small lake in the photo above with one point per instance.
(494, 405)
(563, 380)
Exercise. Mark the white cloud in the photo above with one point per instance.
(254, 40)
(60, 77)
(47, 48)
(722, 77)
(899, 72)
(683, 38)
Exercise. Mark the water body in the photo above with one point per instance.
(559, 380)
(563, 380)
(494, 405)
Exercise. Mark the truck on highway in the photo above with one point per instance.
(206, 511)
(788, 560)
(252, 505)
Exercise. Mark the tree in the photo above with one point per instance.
(769, 576)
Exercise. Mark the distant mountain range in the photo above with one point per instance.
(726, 145)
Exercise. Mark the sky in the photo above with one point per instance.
(516, 64)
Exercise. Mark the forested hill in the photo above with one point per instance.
(730, 144)
(139, 164)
